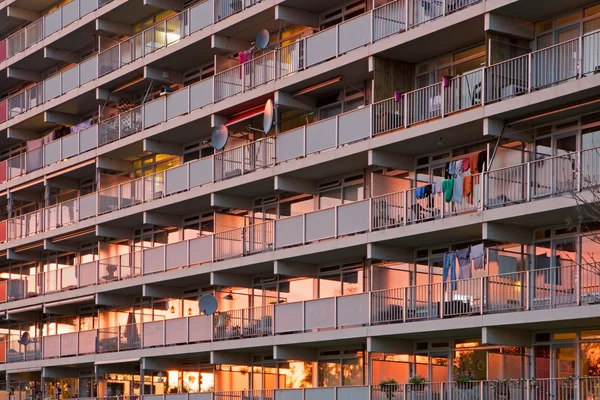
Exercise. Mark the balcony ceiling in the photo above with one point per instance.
(247, 28)
(534, 10)
(35, 5)
(131, 12)
(468, 33)
(9, 24)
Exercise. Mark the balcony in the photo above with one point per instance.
(495, 83)
(48, 25)
(386, 20)
(564, 286)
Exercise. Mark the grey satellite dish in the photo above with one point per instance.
(262, 39)
(219, 138)
(268, 116)
(208, 304)
(25, 339)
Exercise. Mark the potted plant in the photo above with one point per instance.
(389, 387)
(464, 388)
(416, 388)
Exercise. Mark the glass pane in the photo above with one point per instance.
(590, 359)
(542, 362)
(330, 199)
(565, 362)
(353, 193)
(330, 286)
(352, 372)
(329, 373)
(352, 282)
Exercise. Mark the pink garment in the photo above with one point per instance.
(244, 56)
(466, 164)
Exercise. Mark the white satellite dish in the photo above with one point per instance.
(25, 339)
(268, 116)
(219, 137)
(208, 304)
(262, 39)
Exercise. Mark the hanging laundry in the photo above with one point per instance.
(420, 192)
(436, 187)
(481, 160)
(428, 190)
(467, 185)
(478, 256)
(457, 192)
(451, 169)
(449, 271)
(81, 126)
(464, 263)
(473, 163)
(243, 57)
(447, 171)
(448, 188)
(466, 164)
(458, 168)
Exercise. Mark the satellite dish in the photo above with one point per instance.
(25, 339)
(268, 116)
(219, 138)
(262, 39)
(208, 304)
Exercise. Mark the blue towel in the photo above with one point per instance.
(420, 192)
(457, 193)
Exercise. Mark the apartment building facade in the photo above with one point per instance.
(417, 222)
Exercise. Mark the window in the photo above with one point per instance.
(341, 14)
(458, 63)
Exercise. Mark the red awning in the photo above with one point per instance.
(244, 115)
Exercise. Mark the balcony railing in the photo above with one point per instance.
(49, 24)
(230, 163)
(333, 42)
(564, 286)
(494, 83)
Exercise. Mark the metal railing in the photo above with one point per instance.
(493, 83)
(519, 291)
(52, 22)
(249, 158)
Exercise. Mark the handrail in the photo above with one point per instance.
(469, 90)
(35, 32)
(519, 291)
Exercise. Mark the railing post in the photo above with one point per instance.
(483, 86)
(404, 302)
(528, 185)
(529, 72)
(578, 283)
(528, 291)
(405, 208)
(483, 294)
(580, 57)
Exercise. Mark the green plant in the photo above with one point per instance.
(464, 376)
(389, 387)
(417, 380)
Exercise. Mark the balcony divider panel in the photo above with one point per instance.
(177, 103)
(201, 250)
(52, 87)
(154, 112)
(87, 342)
(88, 138)
(88, 70)
(69, 344)
(153, 333)
(86, 7)
(200, 328)
(52, 23)
(70, 12)
(176, 179)
(70, 145)
(177, 255)
(353, 310)
(52, 152)
(201, 172)
(354, 125)
(321, 46)
(353, 218)
(176, 331)
(290, 145)
(51, 346)
(289, 394)
(70, 79)
(201, 16)
(319, 313)
(321, 136)
(320, 225)
(288, 231)
(201, 94)
(154, 260)
(320, 394)
(355, 33)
